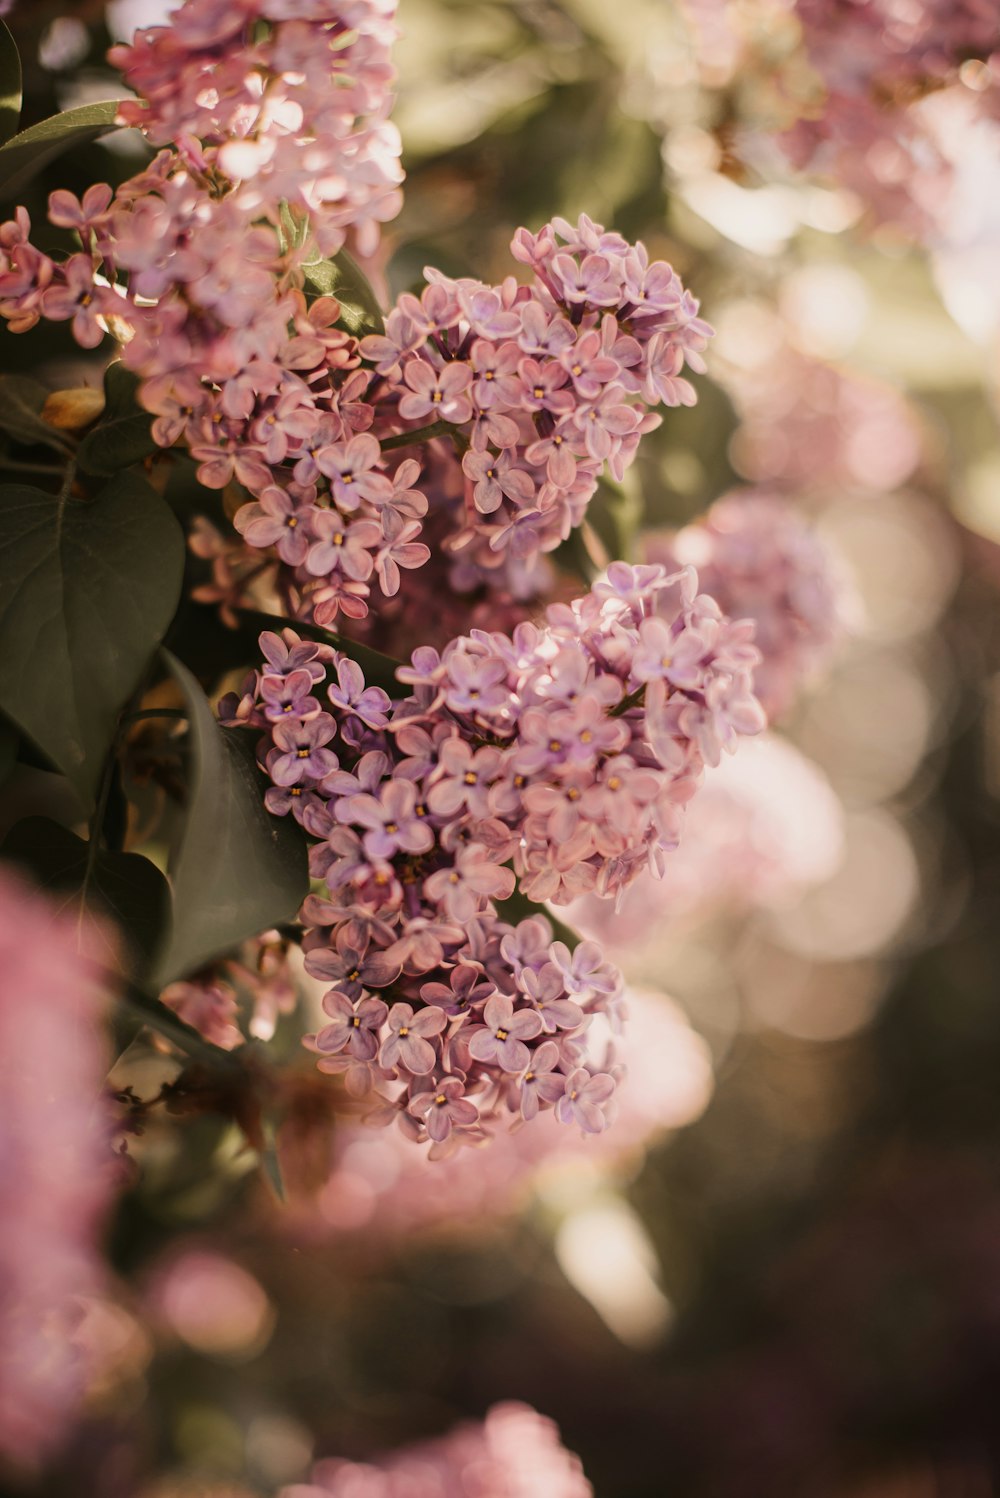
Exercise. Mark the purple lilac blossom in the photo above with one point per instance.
(559, 758)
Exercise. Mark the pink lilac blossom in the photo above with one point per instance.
(537, 389)
(765, 826)
(812, 427)
(287, 99)
(559, 758)
(548, 384)
(762, 560)
(379, 1186)
(849, 80)
(57, 1174)
(877, 60)
(513, 1453)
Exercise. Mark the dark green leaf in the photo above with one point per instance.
(10, 84)
(519, 908)
(10, 743)
(122, 436)
(238, 869)
(124, 887)
(379, 670)
(25, 154)
(87, 590)
(21, 402)
(360, 312)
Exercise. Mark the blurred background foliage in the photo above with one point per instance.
(799, 1293)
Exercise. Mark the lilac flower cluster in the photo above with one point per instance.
(288, 99)
(877, 62)
(560, 757)
(761, 560)
(546, 384)
(514, 1452)
(272, 116)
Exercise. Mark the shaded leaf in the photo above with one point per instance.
(122, 887)
(123, 435)
(87, 590)
(24, 155)
(10, 84)
(238, 869)
(10, 743)
(21, 402)
(360, 312)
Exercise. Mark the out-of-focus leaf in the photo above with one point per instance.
(21, 402)
(10, 84)
(238, 870)
(124, 887)
(24, 155)
(684, 465)
(614, 515)
(123, 435)
(360, 312)
(87, 590)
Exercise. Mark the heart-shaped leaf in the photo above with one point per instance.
(123, 435)
(238, 870)
(360, 312)
(10, 84)
(24, 155)
(87, 590)
(122, 887)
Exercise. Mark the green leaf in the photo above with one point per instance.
(123, 435)
(87, 590)
(518, 908)
(238, 869)
(360, 312)
(379, 670)
(21, 402)
(24, 155)
(10, 743)
(10, 84)
(124, 887)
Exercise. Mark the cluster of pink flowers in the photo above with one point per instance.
(199, 265)
(761, 560)
(877, 60)
(287, 99)
(545, 384)
(378, 1186)
(57, 1174)
(814, 427)
(560, 758)
(513, 1453)
(765, 826)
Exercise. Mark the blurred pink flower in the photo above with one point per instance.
(513, 1453)
(57, 1171)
